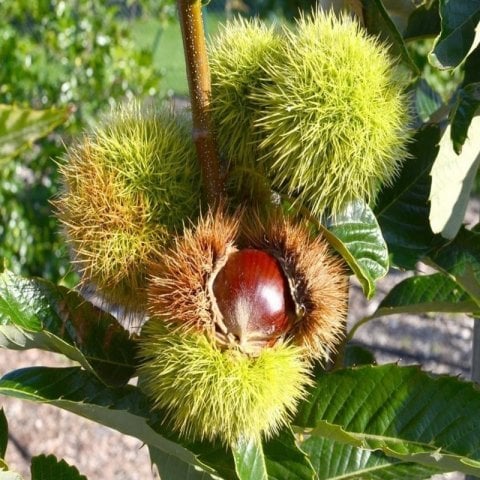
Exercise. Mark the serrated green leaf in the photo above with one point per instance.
(284, 460)
(452, 181)
(356, 235)
(403, 209)
(423, 22)
(426, 293)
(249, 459)
(124, 409)
(20, 127)
(49, 468)
(35, 313)
(172, 468)
(461, 260)
(378, 22)
(400, 411)
(3, 434)
(356, 355)
(467, 102)
(423, 294)
(333, 460)
(458, 21)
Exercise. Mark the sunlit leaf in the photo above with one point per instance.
(452, 181)
(427, 100)
(285, 460)
(35, 313)
(249, 459)
(20, 127)
(356, 235)
(401, 412)
(378, 22)
(124, 409)
(461, 260)
(423, 22)
(334, 460)
(171, 467)
(467, 102)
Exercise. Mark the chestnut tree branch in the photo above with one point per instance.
(190, 13)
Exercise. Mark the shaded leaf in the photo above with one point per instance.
(467, 102)
(461, 260)
(249, 459)
(423, 294)
(403, 209)
(334, 460)
(356, 235)
(357, 355)
(35, 313)
(172, 468)
(399, 411)
(3, 434)
(458, 21)
(426, 293)
(49, 468)
(20, 127)
(453, 178)
(284, 460)
(423, 22)
(378, 22)
(124, 409)
(427, 100)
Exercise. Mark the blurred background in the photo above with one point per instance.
(89, 55)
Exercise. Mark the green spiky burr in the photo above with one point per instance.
(213, 394)
(128, 187)
(333, 117)
(327, 119)
(238, 56)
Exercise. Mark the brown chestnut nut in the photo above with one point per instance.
(253, 297)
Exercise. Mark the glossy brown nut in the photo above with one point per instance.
(253, 295)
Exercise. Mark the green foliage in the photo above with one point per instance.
(19, 127)
(57, 53)
(356, 235)
(38, 314)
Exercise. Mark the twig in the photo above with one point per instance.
(190, 13)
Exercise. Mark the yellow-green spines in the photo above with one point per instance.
(128, 186)
(333, 116)
(322, 114)
(237, 58)
(216, 394)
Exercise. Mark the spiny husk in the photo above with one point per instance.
(178, 290)
(237, 59)
(320, 118)
(178, 281)
(333, 115)
(128, 186)
(215, 394)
